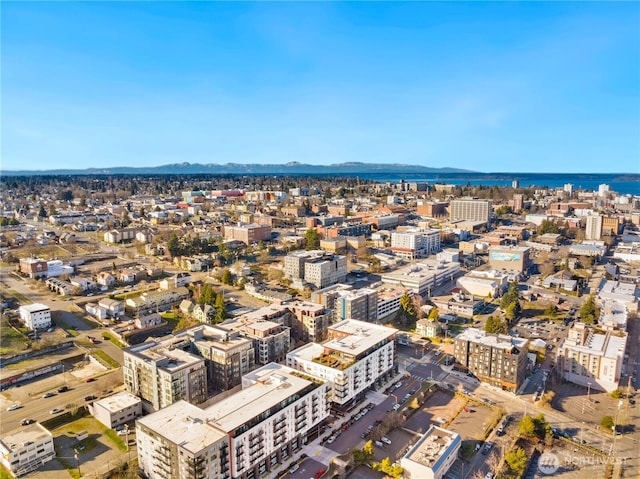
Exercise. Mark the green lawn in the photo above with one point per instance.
(106, 358)
(11, 340)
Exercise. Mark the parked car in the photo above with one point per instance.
(396, 407)
(487, 447)
(386, 440)
(294, 468)
(91, 397)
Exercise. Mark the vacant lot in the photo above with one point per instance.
(442, 404)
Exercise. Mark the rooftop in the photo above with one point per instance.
(263, 388)
(432, 447)
(355, 337)
(35, 307)
(184, 423)
(501, 341)
(21, 437)
(118, 401)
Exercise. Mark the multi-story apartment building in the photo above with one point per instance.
(154, 301)
(415, 243)
(356, 356)
(593, 229)
(351, 229)
(348, 303)
(269, 330)
(248, 234)
(295, 262)
(228, 356)
(470, 210)
(309, 321)
(161, 375)
(420, 277)
(432, 455)
(434, 209)
(330, 269)
(35, 316)
(26, 449)
(590, 357)
(497, 359)
(242, 436)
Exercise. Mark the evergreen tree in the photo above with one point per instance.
(173, 245)
(313, 239)
(221, 310)
(589, 312)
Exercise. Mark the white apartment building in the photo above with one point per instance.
(388, 299)
(35, 316)
(593, 230)
(415, 243)
(356, 356)
(589, 357)
(470, 210)
(329, 270)
(243, 436)
(117, 409)
(161, 375)
(26, 449)
(625, 293)
(432, 455)
(421, 277)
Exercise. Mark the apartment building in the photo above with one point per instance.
(591, 357)
(248, 234)
(497, 359)
(268, 328)
(153, 301)
(593, 229)
(330, 269)
(228, 356)
(117, 409)
(243, 436)
(356, 356)
(26, 449)
(35, 316)
(309, 320)
(433, 209)
(422, 276)
(348, 303)
(294, 263)
(432, 455)
(160, 374)
(415, 243)
(470, 210)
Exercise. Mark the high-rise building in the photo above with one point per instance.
(603, 190)
(498, 359)
(593, 230)
(518, 202)
(515, 184)
(470, 210)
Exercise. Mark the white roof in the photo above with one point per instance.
(35, 307)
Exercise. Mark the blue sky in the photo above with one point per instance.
(497, 86)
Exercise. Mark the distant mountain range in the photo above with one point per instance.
(292, 168)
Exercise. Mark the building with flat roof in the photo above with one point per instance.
(33, 267)
(116, 409)
(309, 321)
(484, 284)
(470, 210)
(415, 243)
(243, 436)
(348, 303)
(422, 276)
(356, 356)
(432, 455)
(160, 374)
(26, 449)
(35, 316)
(625, 293)
(591, 357)
(248, 234)
(512, 258)
(459, 304)
(498, 359)
(316, 267)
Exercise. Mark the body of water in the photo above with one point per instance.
(625, 184)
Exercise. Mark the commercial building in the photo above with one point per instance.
(591, 357)
(432, 209)
(484, 284)
(470, 210)
(117, 409)
(625, 293)
(160, 374)
(421, 277)
(356, 356)
(497, 359)
(35, 316)
(242, 436)
(26, 449)
(510, 258)
(415, 243)
(248, 234)
(459, 304)
(432, 455)
(33, 267)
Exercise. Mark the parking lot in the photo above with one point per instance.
(472, 422)
(442, 404)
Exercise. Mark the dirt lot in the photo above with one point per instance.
(472, 424)
(441, 404)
